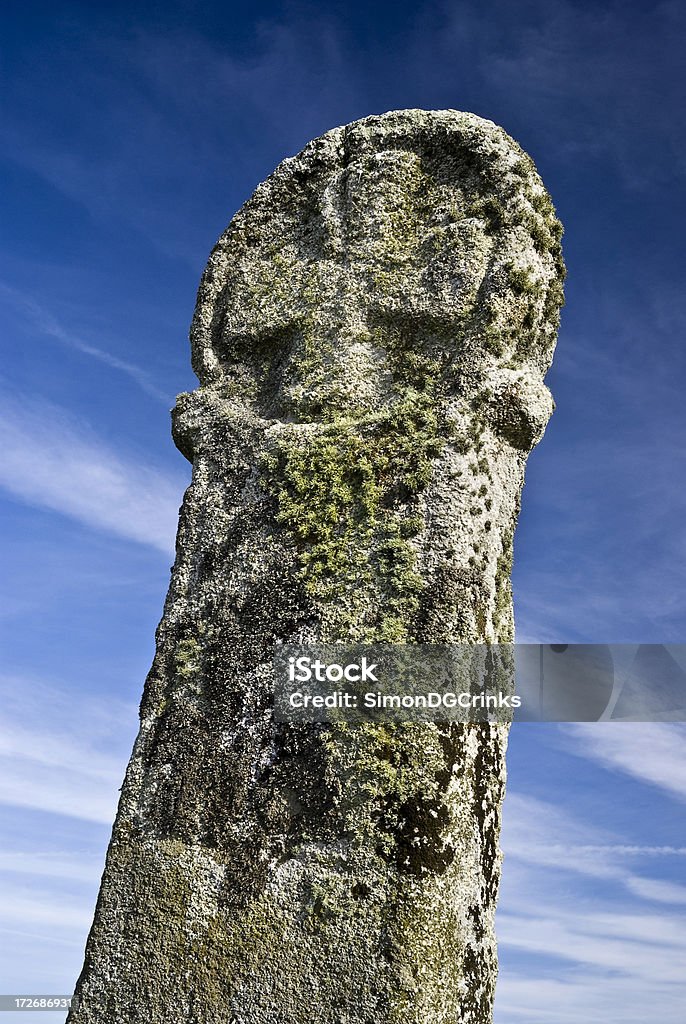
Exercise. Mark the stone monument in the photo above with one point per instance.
(371, 336)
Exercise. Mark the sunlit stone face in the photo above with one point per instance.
(389, 299)
(371, 336)
(418, 258)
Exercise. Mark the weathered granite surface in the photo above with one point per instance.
(371, 336)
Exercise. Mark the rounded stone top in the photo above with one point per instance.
(410, 234)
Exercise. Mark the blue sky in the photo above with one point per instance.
(130, 135)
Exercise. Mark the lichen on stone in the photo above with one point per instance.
(371, 336)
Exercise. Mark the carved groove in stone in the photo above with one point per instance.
(371, 336)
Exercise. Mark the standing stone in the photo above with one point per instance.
(371, 336)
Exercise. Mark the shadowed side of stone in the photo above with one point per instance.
(371, 336)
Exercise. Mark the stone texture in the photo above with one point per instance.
(371, 336)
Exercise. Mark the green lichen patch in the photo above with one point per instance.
(186, 657)
(502, 614)
(388, 777)
(346, 491)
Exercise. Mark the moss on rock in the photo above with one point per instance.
(371, 335)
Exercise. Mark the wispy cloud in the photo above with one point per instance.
(86, 794)
(658, 890)
(43, 932)
(615, 967)
(178, 106)
(60, 752)
(62, 759)
(596, 80)
(47, 325)
(54, 460)
(28, 909)
(612, 455)
(645, 946)
(584, 933)
(585, 995)
(541, 834)
(650, 752)
(50, 865)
